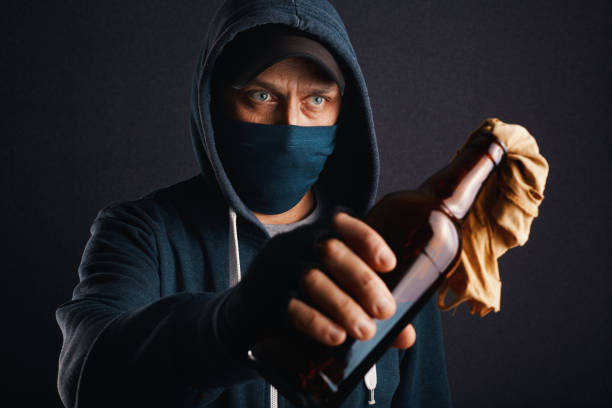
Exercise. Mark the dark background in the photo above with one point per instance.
(95, 106)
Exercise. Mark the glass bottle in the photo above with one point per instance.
(423, 228)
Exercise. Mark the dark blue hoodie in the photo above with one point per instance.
(140, 329)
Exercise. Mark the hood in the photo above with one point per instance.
(350, 176)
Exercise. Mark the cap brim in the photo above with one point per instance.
(256, 54)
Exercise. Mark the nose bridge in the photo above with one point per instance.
(292, 110)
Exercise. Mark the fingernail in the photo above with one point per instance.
(335, 335)
(386, 257)
(382, 305)
(365, 327)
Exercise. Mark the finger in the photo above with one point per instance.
(357, 278)
(313, 323)
(338, 305)
(406, 338)
(365, 241)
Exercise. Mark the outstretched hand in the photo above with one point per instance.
(285, 285)
(351, 294)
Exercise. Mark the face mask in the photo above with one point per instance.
(272, 166)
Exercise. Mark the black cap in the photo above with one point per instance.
(253, 51)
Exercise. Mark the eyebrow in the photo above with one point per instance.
(318, 89)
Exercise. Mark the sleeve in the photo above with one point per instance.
(423, 375)
(124, 344)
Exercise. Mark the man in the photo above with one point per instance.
(283, 133)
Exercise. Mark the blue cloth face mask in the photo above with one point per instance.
(272, 166)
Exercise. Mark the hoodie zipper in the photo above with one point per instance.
(235, 276)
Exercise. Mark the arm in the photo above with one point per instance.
(124, 344)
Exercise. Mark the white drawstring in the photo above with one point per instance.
(370, 378)
(234, 261)
(235, 275)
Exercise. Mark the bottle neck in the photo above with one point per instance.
(458, 184)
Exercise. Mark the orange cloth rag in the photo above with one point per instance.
(499, 220)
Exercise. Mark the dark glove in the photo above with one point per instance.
(256, 308)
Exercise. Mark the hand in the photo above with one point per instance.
(359, 295)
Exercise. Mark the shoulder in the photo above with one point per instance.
(178, 202)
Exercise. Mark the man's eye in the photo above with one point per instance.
(317, 100)
(261, 96)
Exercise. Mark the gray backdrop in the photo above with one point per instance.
(95, 106)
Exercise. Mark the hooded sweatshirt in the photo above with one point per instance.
(141, 328)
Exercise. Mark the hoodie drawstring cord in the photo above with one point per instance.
(234, 251)
(370, 378)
